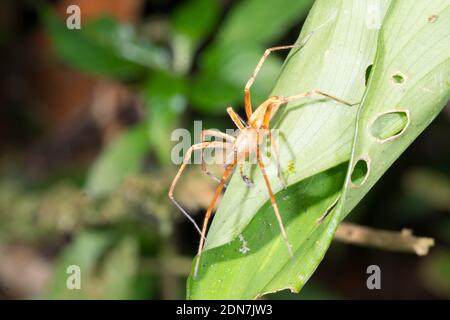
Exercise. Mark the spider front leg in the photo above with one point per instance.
(235, 118)
(186, 158)
(247, 98)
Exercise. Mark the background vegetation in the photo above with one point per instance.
(85, 126)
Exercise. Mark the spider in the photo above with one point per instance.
(245, 143)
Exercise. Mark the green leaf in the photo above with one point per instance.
(191, 23)
(315, 134)
(195, 19)
(257, 261)
(409, 78)
(409, 86)
(122, 157)
(315, 141)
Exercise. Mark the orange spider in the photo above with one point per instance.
(247, 142)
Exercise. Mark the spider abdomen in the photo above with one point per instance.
(247, 142)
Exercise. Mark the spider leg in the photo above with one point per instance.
(236, 119)
(273, 143)
(276, 150)
(274, 202)
(217, 134)
(247, 98)
(316, 92)
(198, 146)
(226, 174)
(268, 116)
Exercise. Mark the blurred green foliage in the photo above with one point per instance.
(104, 47)
(116, 162)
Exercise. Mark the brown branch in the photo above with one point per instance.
(403, 241)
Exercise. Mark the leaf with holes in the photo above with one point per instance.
(408, 85)
(245, 257)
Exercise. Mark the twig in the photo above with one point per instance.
(403, 241)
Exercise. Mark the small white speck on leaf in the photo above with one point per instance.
(244, 248)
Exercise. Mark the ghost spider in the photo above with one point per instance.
(247, 142)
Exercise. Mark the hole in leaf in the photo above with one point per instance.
(368, 71)
(389, 125)
(398, 78)
(359, 173)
